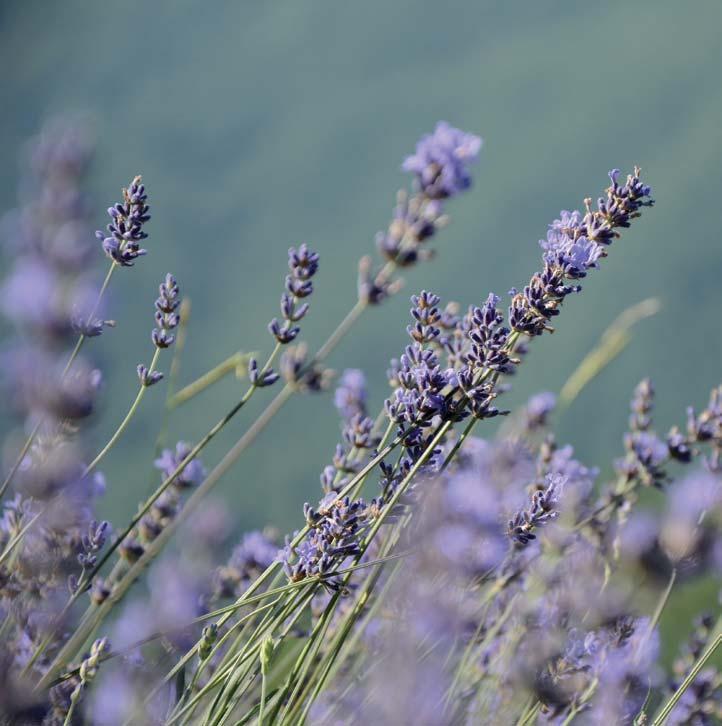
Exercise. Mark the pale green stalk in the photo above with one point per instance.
(124, 423)
(613, 341)
(236, 363)
(254, 643)
(657, 614)
(221, 670)
(530, 713)
(297, 677)
(74, 698)
(668, 707)
(184, 315)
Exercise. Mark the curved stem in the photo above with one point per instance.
(81, 338)
(234, 363)
(74, 698)
(124, 423)
(343, 327)
(180, 342)
(21, 456)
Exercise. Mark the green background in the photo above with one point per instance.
(260, 125)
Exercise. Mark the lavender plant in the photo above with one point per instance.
(443, 577)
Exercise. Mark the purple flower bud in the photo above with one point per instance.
(122, 245)
(166, 317)
(148, 378)
(258, 378)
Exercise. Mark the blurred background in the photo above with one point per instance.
(261, 125)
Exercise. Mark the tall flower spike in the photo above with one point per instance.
(574, 245)
(303, 264)
(166, 317)
(440, 167)
(126, 227)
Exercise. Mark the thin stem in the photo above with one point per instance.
(657, 614)
(74, 698)
(180, 342)
(687, 682)
(343, 327)
(222, 673)
(234, 363)
(124, 423)
(179, 469)
(81, 338)
(21, 456)
(612, 342)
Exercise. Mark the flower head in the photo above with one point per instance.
(441, 159)
(126, 232)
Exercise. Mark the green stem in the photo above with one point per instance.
(234, 363)
(81, 338)
(124, 423)
(20, 457)
(180, 342)
(74, 698)
(687, 682)
(341, 329)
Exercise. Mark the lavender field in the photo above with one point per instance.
(360, 365)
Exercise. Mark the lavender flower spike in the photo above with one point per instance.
(166, 317)
(303, 264)
(441, 159)
(126, 226)
(543, 509)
